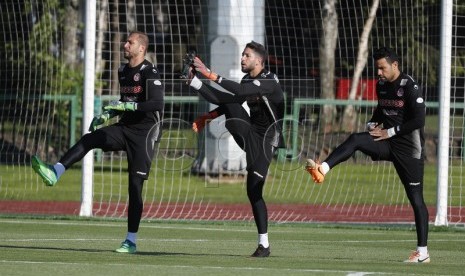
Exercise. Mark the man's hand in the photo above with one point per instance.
(202, 120)
(202, 69)
(99, 120)
(121, 106)
(379, 133)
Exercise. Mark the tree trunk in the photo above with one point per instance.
(115, 49)
(70, 39)
(101, 29)
(327, 62)
(349, 116)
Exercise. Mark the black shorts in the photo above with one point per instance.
(259, 151)
(138, 145)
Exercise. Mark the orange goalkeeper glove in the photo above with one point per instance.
(204, 119)
(203, 69)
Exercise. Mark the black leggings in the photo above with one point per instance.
(87, 143)
(410, 171)
(255, 185)
(136, 204)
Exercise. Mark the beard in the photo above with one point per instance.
(128, 55)
(245, 69)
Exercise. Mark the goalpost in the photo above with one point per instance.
(88, 106)
(444, 109)
(52, 72)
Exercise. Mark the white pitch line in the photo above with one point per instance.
(283, 270)
(209, 240)
(90, 240)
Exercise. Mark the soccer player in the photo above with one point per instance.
(394, 133)
(258, 134)
(141, 110)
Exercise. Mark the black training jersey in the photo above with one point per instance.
(401, 106)
(265, 99)
(141, 84)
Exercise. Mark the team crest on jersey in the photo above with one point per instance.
(137, 77)
(415, 87)
(400, 92)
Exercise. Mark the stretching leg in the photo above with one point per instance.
(363, 142)
(218, 97)
(105, 138)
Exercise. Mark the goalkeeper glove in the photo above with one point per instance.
(202, 69)
(100, 119)
(121, 106)
(188, 62)
(204, 119)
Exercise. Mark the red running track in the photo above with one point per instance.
(237, 212)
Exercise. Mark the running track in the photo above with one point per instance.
(236, 212)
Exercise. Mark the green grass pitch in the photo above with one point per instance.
(72, 246)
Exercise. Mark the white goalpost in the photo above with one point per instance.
(444, 112)
(88, 107)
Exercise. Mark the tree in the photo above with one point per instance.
(349, 116)
(327, 62)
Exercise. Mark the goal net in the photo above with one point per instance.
(321, 52)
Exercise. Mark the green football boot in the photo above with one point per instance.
(45, 171)
(127, 247)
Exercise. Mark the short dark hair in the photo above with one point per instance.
(259, 49)
(141, 37)
(387, 53)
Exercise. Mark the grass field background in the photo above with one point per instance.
(283, 186)
(72, 246)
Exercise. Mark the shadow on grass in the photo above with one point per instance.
(184, 254)
(53, 248)
(141, 253)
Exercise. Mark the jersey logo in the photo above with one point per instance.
(137, 77)
(130, 89)
(400, 92)
(420, 100)
(385, 103)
